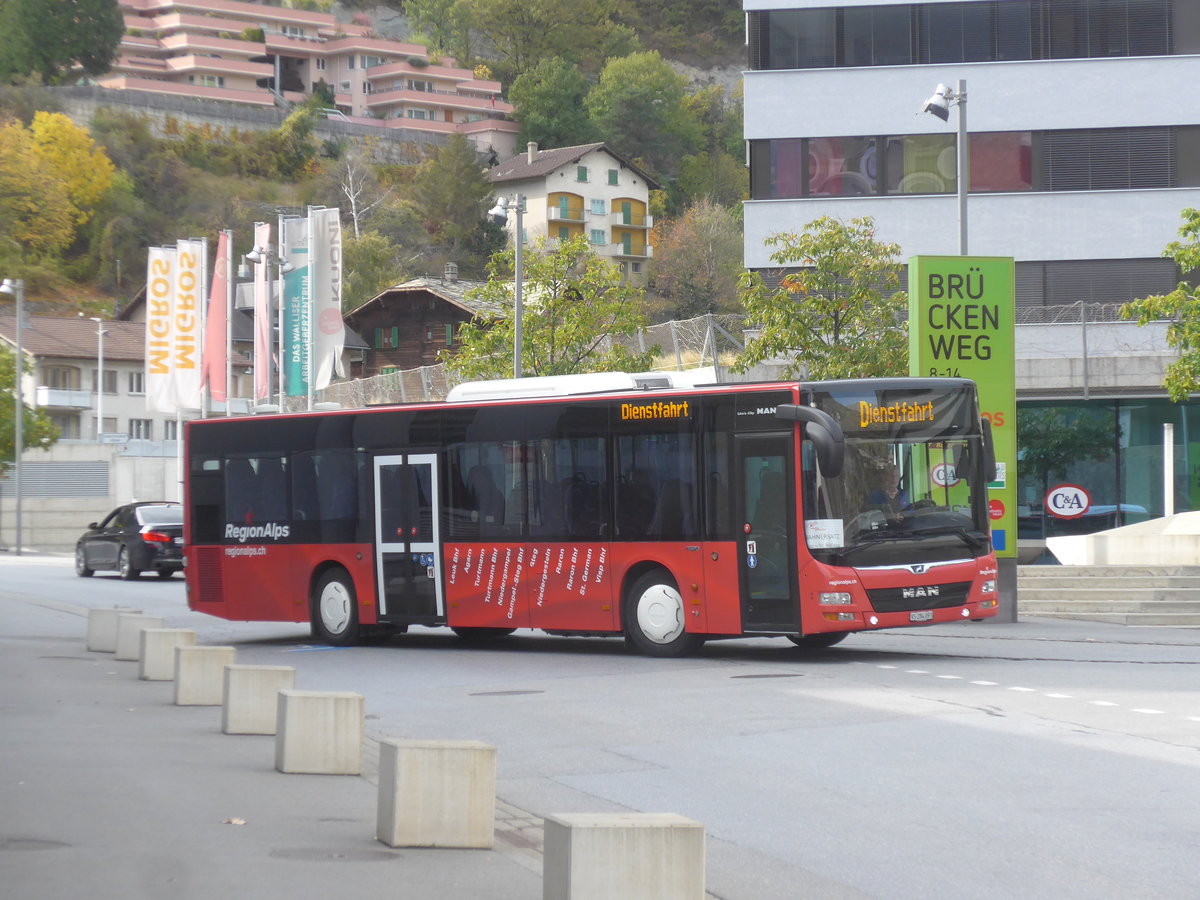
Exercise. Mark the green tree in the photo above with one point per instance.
(450, 195)
(1182, 308)
(444, 24)
(368, 266)
(697, 261)
(519, 34)
(37, 431)
(833, 317)
(548, 101)
(572, 302)
(47, 38)
(639, 106)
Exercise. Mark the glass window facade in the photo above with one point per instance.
(1111, 448)
(974, 31)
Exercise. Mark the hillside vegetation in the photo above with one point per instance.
(76, 222)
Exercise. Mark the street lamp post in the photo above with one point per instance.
(499, 214)
(100, 333)
(939, 105)
(16, 289)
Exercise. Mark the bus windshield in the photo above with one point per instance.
(913, 487)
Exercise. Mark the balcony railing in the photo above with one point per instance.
(570, 214)
(631, 220)
(632, 250)
(57, 398)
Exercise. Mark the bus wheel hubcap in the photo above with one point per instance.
(335, 608)
(660, 614)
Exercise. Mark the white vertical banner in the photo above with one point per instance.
(297, 316)
(262, 315)
(188, 322)
(328, 332)
(160, 326)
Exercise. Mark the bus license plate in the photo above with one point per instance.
(921, 615)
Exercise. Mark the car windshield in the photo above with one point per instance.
(160, 515)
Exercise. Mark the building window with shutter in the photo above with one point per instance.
(141, 429)
(597, 207)
(597, 236)
(581, 173)
(612, 176)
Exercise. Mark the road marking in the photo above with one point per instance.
(1102, 703)
(916, 671)
(1024, 690)
(1060, 696)
(986, 683)
(951, 677)
(1149, 712)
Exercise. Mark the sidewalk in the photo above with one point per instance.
(109, 790)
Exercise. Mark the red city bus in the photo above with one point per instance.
(607, 504)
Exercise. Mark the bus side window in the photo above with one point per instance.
(304, 487)
(337, 485)
(272, 490)
(241, 491)
(486, 501)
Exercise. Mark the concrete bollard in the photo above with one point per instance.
(156, 659)
(623, 856)
(436, 794)
(200, 674)
(319, 733)
(129, 638)
(252, 698)
(102, 627)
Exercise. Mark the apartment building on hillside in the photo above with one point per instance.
(1084, 142)
(211, 49)
(585, 190)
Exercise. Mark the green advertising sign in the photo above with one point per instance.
(961, 324)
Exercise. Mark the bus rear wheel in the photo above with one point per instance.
(335, 609)
(655, 618)
(817, 641)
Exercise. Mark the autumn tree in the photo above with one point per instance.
(549, 105)
(1181, 308)
(70, 153)
(47, 38)
(639, 107)
(697, 261)
(833, 316)
(36, 214)
(573, 302)
(369, 265)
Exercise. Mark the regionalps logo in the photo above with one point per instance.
(270, 531)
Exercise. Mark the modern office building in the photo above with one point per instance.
(1084, 142)
(258, 54)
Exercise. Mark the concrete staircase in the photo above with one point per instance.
(1125, 595)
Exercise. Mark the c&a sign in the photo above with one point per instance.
(1068, 501)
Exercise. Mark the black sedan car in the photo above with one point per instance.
(132, 539)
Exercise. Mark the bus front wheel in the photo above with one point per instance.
(655, 618)
(335, 609)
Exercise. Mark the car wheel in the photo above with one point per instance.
(817, 641)
(654, 617)
(125, 566)
(81, 566)
(335, 609)
(165, 573)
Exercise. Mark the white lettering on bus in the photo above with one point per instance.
(271, 531)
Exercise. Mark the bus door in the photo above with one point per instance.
(766, 493)
(408, 563)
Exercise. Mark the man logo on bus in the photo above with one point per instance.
(1068, 501)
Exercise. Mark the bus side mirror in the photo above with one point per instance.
(824, 432)
(989, 450)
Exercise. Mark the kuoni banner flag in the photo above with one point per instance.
(297, 317)
(325, 229)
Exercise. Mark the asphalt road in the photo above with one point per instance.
(1038, 759)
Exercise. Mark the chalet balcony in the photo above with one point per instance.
(57, 398)
(621, 219)
(631, 250)
(566, 214)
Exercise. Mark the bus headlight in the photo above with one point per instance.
(834, 598)
(988, 587)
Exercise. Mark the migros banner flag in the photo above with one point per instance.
(160, 311)
(187, 333)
